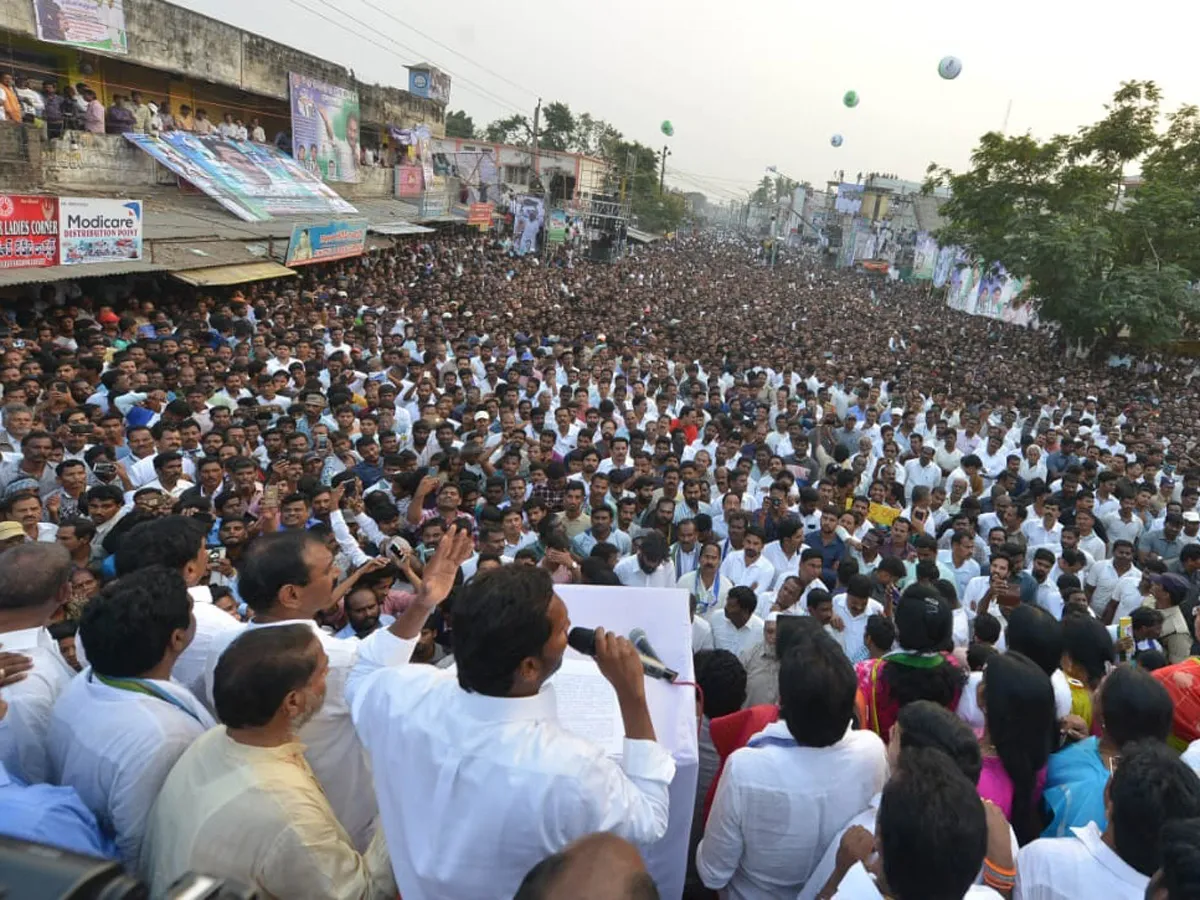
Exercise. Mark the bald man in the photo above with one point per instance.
(599, 866)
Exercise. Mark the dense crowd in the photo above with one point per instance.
(278, 571)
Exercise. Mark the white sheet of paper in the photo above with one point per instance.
(587, 705)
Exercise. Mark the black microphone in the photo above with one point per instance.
(584, 641)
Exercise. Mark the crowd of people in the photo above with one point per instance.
(278, 576)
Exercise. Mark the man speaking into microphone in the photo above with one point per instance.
(477, 781)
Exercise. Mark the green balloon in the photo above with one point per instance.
(850, 98)
(667, 128)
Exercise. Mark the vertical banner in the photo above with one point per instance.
(88, 24)
(556, 227)
(528, 213)
(323, 243)
(408, 181)
(925, 256)
(28, 231)
(325, 128)
(93, 230)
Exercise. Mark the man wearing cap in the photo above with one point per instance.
(1169, 591)
(648, 567)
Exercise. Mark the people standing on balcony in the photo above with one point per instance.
(54, 110)
(185, 121)
(203, 125)
(120, 118)
(228, 128)
(257, 134)
(9, 104)
(142, 114)
(93, 116)
(32, 104)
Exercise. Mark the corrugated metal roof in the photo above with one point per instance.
(70, 273)
(398, 228)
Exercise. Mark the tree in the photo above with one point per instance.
(557, 127)
(765, 192)
(594, 137)
(514, 130)
(1105, 259)
(460, 125)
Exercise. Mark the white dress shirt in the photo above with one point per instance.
(24, 731)
(759, 574)
(1104, 578)
(629, 571)
(115, 747)
(778, 807)
(736, 640)
(702, 636)
(1038, 534)
(851, 637)
(1067, 868)
(142, 472)
(784, 565)
(211, 624)
(708, 599)
(475, 790)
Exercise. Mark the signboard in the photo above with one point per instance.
(90, 24)
(322, 243)
(325, 128)
(93, 230)
(255, 182)
(408, 181)
(430, 84)
(480, 214)
(434, 205)
(28, 231)
(556, 227)
(849, 198)
(529, 213)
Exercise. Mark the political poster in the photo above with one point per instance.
(529, 213)
(90, 24)
(322, 243)
(556, 227)
(849, 199)
(480, 214)
(255, 182)
(28, 231)
(325, 128)
(93, 230)
(430, 84)
(947, 258)
(925, 256)
(408, 181)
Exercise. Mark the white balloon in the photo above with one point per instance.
(836, 140)
(950, 67)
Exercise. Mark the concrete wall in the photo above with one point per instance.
(170, 38)
(99, 162)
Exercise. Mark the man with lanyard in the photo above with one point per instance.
(118, 728)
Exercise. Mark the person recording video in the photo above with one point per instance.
(477, 781)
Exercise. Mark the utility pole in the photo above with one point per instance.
(662, 178)
(537, 118)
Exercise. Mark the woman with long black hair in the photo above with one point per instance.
(922, 668)
(1018, 737)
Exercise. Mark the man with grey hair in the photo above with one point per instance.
(35, 580)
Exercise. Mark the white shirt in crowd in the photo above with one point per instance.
(851, 637)
(629, 571)
(736, 640)
(460, 777)
(1068, 868)
(24, 730)
(1104, 578)
(116, 747)
(759, 574)
(778, 806)
(211, 624)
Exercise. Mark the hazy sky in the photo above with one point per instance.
(759, 83)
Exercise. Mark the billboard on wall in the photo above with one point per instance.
(28, 231)
(529, 213)
(430, 84)
(325, 128)
(408, 181)
(323, 243)
(556, 227)
(849, 199)
(92, 230)
(925, 255)
(480, 214)
(90, 24)
(255, 182)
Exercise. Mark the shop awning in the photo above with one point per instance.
(398, 228)
(214, 276)
(43, 274)
(642, 237)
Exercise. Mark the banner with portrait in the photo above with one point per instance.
(529, 213)
(89, 24)
(925, 255)
(326, 123)
(253, 181)
(326, 242)
(849, 199)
